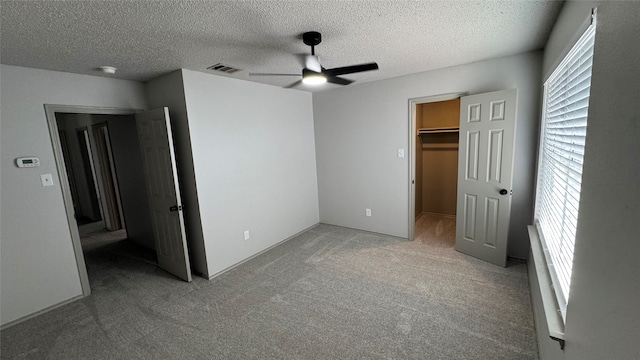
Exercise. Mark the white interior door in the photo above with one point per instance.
(485, 173)
(163, 191)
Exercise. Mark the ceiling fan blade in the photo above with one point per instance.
(351, 69)
(271, 74)
(312, 63)
(294, 85)
(338, 80)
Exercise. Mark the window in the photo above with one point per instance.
(562, 142)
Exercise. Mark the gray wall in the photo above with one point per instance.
(254, 159)
(603, 317)
(168, 91)
(359, 128)
(37, 262)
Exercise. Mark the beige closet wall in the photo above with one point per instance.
(439, 153)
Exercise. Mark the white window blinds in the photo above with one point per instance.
(564, 130)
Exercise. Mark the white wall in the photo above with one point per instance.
(603, 317)
(38, 266)
(359, 128)
(254, 157)
(168, 91)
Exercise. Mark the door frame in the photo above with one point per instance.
(106, 177)
(89, 165)
(50, 111)
(412, 150)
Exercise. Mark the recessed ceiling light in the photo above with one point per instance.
(107, 69)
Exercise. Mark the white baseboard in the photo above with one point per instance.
(261, 252)
(40, 312)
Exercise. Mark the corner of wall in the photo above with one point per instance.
(169, 91)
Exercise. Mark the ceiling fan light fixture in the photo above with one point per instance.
(314, 74)
(314, 79)
(311, 77)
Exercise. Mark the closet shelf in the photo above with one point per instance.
(440, 130)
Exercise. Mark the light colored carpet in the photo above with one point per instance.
(329, 293)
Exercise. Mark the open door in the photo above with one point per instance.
(158, 158)
(485, 173)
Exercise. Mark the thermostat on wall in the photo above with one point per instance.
(28, 162)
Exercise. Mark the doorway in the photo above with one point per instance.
(98, 157)
(486, 127)
(91, 170)
(434, 139)
(436, 164)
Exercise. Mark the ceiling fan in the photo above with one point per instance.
(313, 73)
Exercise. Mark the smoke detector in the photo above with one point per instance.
(107, 69)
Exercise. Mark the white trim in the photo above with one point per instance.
(96, 174)
(555, 323)
(99, 110)
(412, 151)
(546, 259)
(50, 112)
(39, 312)
(260, 253)
(104, 129)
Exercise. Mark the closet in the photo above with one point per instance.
(436, 158)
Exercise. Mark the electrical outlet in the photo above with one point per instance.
(367, 212)
(246, 234)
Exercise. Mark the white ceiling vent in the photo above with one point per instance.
(223, 68)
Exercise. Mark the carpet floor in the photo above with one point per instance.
(329, 293)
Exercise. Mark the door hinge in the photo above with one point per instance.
(176, 208)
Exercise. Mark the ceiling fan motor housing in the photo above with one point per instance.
(312, 38)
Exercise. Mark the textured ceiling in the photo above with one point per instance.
(145, 39)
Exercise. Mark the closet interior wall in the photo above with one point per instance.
(437, 157)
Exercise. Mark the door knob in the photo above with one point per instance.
(503, 192)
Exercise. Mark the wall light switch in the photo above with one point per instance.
(47, 180)
(400, 153)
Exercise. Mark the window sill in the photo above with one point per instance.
(555, 323)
